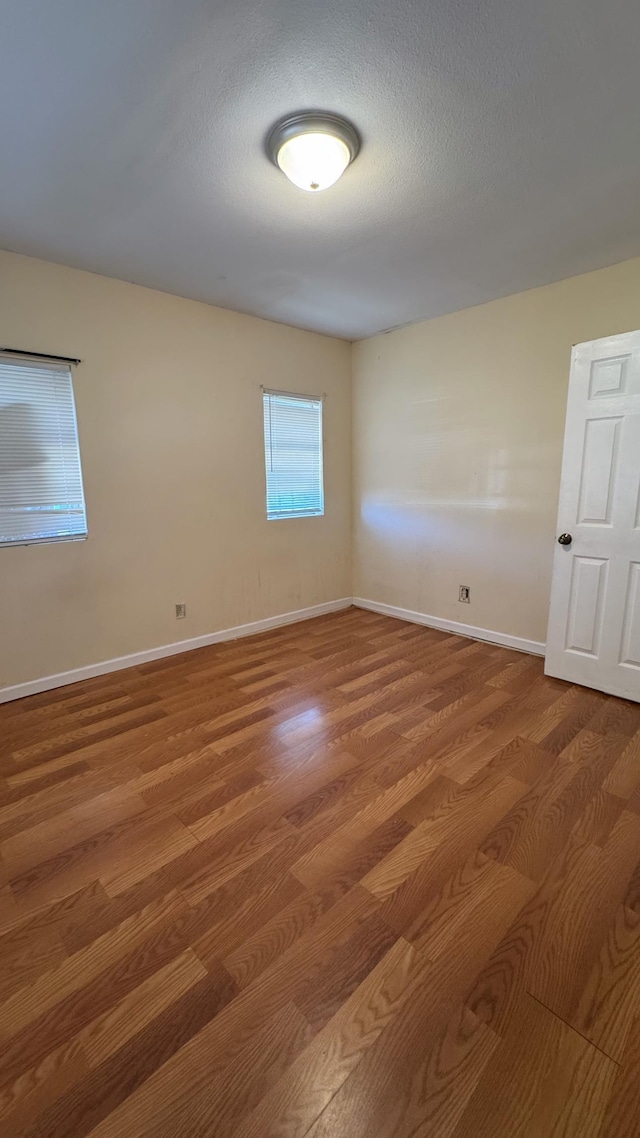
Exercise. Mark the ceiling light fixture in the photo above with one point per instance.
(313, 149)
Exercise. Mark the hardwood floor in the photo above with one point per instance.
(352, 878)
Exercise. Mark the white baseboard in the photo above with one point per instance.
(470, 630)
(61, 679)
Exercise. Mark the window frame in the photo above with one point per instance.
(67, 368)
(287, 515)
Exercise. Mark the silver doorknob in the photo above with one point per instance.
(565, 539)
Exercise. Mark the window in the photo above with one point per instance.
(41, 496)
(293, 455)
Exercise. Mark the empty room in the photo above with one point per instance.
(319, 569)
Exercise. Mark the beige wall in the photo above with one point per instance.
(170, 421)
(457, 445)
(458, 426)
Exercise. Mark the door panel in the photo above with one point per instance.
(609, 376)
(586, 603)
(597, 482)
(630, 654)
(594, 615)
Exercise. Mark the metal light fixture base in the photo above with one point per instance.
(308, 122)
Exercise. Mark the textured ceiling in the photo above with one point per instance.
(501, 148)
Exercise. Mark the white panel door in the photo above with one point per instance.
(594, 618)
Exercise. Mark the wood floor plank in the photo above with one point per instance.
(623, 1109)
(624, 777)
(37, 844)
(542, 1081)
(24, 1102)
(534, 831)
(79, 970)
(449, 823)
(25, 953)
(106, 1086)
(554, 942)
(111, 1031)
(310, 1082)
(326, 857)
(423, 1098)
(257, 952)
(393, 1089)
(578, 920)
(609, 1003)
(223, 1102)
(223, 1040)
(354, 876)
(468, 901)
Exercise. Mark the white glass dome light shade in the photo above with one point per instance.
(313, 161)
(313, 149)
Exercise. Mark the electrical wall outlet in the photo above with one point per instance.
(464, 594)
(181, 612)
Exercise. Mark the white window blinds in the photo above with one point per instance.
(41, 495)
(293, 455)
